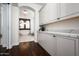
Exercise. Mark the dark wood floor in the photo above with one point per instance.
(28, 49)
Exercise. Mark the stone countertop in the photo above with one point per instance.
(61, 33)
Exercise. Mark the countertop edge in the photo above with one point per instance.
(61, 33)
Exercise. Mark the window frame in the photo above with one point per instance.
(24, 21)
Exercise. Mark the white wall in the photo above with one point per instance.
(28, 15)
(0, 22)
(36, 25)
(0, 18)
(9, 25)
(5, 25)
(15, 25)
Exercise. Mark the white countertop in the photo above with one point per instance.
(61, 33)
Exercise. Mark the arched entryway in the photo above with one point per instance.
(26, 24)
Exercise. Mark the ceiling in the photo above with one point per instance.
(42, 4)
(35, 6)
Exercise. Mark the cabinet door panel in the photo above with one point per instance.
(69, 9)
(48, 13)
(41, 39)
(66, 46)
(72, 8)
(51, 44)
(48, 42)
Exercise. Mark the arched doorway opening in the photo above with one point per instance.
(26, 24)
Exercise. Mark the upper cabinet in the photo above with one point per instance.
(48, 13)
(51, 12)
(69, 9)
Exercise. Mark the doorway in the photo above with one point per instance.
(25, 30)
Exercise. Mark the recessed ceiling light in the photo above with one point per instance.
(25, 11)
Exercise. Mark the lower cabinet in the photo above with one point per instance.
(66, 46)
(57, 45)
(48, 42)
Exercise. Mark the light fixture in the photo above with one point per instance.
(25, 11)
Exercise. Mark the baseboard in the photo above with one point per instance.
(15, 44)
(35, 41)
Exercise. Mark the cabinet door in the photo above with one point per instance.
(69, 9)
(48, 42)
(63, 10)
(48, 13)
(66, 46)
(41, 39)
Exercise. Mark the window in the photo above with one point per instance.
(24, 24)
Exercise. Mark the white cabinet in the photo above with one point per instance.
(52, 11)
(66, 46)
(48, 42)
(69, 9)
(51, 44)
(48, 13)
(59, 45)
